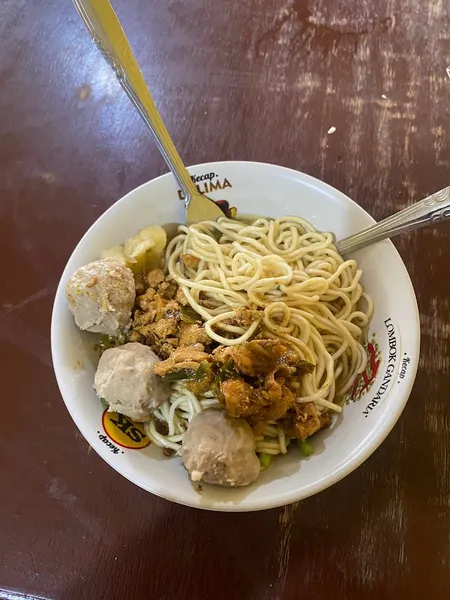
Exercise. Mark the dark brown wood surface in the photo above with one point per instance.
(241, 79)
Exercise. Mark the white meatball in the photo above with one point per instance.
(126, 381)
(101, 296)
(220, 450)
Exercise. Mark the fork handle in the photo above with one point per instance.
(430, 211)
(106, 31)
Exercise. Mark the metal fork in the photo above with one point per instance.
(430, 211)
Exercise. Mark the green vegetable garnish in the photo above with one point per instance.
(265, 460)
(227, 371)
(203, 370)
(305, 447)
(180, 375)
(104, 403)
(191, 374)
(109, 341)
(303, 366)
(189, 315)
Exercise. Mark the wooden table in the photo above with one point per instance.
(263, 81)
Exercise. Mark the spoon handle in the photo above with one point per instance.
(431, 210)
(106, 31)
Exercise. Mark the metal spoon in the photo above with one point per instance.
(430, 211)
(106, 31)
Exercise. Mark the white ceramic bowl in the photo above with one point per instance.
(274, 191)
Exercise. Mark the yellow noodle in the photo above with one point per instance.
(310, 297)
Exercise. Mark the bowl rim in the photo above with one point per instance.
(372, 441)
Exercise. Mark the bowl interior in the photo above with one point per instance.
(379, 398)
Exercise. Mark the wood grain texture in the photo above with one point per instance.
(233, 80)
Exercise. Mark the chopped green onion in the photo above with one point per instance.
(104, 403)
(265, 460)
(305, 447)
(180, 375)
(303, 366)
(202, 371)
(189, 315)
(191, 374)
(227, 371)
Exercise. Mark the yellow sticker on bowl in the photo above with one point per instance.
(124, 432)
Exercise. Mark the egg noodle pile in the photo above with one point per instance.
(309, 297)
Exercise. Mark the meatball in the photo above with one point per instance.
(126, 381)
(101, 296)
(220, 450)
